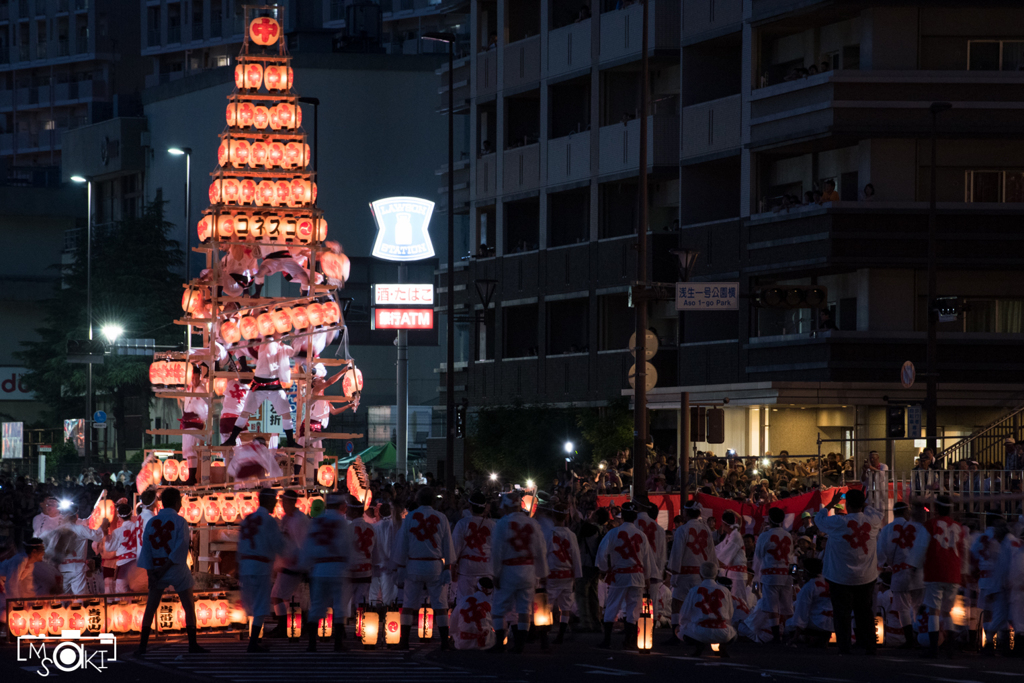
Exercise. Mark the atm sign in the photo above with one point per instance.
(403, 319)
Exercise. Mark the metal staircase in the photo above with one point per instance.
(986, 445)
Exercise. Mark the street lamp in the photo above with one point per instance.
(88, 312)
(187, 153)
(112, 331)
(568, 447)
(449, 466)
(494, 476)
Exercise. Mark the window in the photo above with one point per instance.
(615, 322)
(568, 326)
(520, 331)
(995, 55)
(989, 315)
(994, 186)
(223, 60)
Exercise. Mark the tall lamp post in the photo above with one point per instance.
(642, 288)
(88, 313)
(187, 153)
(932, 398)
(449, 461)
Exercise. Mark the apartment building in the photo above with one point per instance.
(753, 104)
(57, 72)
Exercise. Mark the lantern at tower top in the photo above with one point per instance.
(264, 31)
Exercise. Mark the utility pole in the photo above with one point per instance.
(932, 397)
(641, 287)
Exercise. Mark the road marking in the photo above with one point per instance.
(607, 671)
(946, 666)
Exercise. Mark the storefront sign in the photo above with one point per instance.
(402, 224)
(707, 296)
(403, 295)
(403, 318)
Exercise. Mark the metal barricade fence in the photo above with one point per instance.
(978, 483)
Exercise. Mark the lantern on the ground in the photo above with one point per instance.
(119, 618)
(392, 627)
(171, 469)
(253, 76)
(325, 626)
(248, 327)
(17, 622)
(192, 510)
(264, 31)
(645, 625)
(265, 324)
(316, 314)
(282, 321)
(56, 619)
(370, 628)
(959, 612)
(326, 476)
(138, 611)
(204, 613)
(293, 625)
(300, 319)
(77, 618)
(261, 119)
(541, 609)
(879, 630)
(258, 154)
(425, 623)
(211, 509)
(221, 613)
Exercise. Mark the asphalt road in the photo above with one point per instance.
(577, 658)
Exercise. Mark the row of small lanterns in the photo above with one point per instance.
(281, 321)
(261, 154)
(295, 193)
(283, 116)
(257, 227)
(251, 75)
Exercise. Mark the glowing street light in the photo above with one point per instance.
(529, 483)
(494, 476)
(112, 331)
(568, 447)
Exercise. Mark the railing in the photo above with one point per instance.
(958, 484)
(987, 444)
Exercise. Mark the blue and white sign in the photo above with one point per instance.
(99, 417)
(707, 296)
(402, 224)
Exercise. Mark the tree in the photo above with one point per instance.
(607, 430)
(134, 284)
(520, 441)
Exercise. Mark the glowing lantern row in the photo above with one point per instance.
(242, 153)
(192, 510)
(280, 321)
(283, 116)
(274, 228)
(170, 373)
(251, 75)
(294, 193)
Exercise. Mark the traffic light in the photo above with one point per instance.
(716, 425)
(895, 422)
(698, 424)
(792, 296)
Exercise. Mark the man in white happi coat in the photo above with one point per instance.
(325, 555)
(519, 562)
(69, 545)
(773, 556)
(364, 547)
(288, 581)
(423, 560)
(706, 615)
(124, 542)
(692, 545)
(899, 544)
(626, 558)
(564, 567)
(272, 373)
(48, 519)
(260, 541)
(732, 556)
(472, 537)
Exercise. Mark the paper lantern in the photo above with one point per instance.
(304, 505)
(168, 373)
(96, 518)
(239, 153)
(204, 612)
(247, 504)
(959, 612)
(171, 470)
(326, 476)
(275, 155)
(325, 626)
(158, 471)
(291, 79)
(231, 113)
(274, 122)
(119, 618)
(316, 314)
(265, 324)
(392, 628)
(258, 154)
(300, 319)
(293, 155)
(261, 119)
(250, 330)
(211, 509)
(77, 618)
(301, 192)
(371, 627)
(191, 299)
(247, 190)
(223, 153)
(715, 646)
(879, 630)
(286, 115)
(246, 113)
(305, 229)
(239, 77)
(224, 191)
(229, 332)
(332, 313)
(228, 509)
(266, 193)
(541, 609)
(283, 190)
(293, 625)
(645, 626)
(352, 382)
(17, 622)
(225, 226)
(282, 321)
(321, 229)
(264, 31)
(56, 619)
(205, 228)
(278, 512)
(221, 613)
(138, 612)
(253, 76)
(275, 77)
(192, 510)
(425, 623)
(335, 266)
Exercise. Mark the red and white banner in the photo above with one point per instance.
(403, 319)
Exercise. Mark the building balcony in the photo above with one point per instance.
(567, 268)
(522, 63)
(461, 187)
(486, 176)
(851, 235)
(620, 144)
(569, 48)
(703, 19)
(521, 167)
(460, 82)
(712, 128)
(621, 36)
(569, 158)
(567, 377)
(864, 103)
(487, 73)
